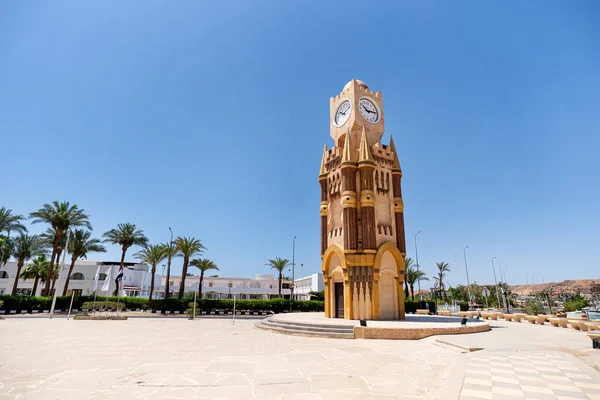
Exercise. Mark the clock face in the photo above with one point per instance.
(342, 113)
(368, 110)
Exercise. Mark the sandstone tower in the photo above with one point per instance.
(362, 214)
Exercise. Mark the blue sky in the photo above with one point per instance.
(210, 117)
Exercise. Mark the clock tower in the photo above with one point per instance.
(362, 213)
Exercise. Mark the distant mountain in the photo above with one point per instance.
(583, 286)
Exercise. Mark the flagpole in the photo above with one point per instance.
(97, 278)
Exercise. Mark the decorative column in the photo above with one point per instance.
(348, 169)
(398, 203)
(366, 167)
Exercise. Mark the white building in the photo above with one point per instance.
(263, 286)
(312, 283)
(136, 279)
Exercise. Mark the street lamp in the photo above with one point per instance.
(496, 282)
(417, 257)
(526, 277)
(293, 264)
(533, 283)
(467, 270)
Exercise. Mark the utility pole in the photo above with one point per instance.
(496, 282)
(467, 270)
(293, 264)
(417, 257)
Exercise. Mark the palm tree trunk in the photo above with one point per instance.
(58, 266)
(280, 277)
(183, 275)
(73, 259)
(35, 283)
(167, 286)
(405, 287)
(200, 285)
(49, 275)
(412, 291)
(115, 293)
(152, 281)
(19, 266)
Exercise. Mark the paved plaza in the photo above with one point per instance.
(174, 358)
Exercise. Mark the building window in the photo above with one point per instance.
(77, 276)
(230, 284)
(210, 284)
(270, 286)
(3, 275)
(102, 277)
(171, 283)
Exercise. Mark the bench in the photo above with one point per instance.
(541, 319)
(545, 317)
(574, 324)
(462, 313)
(445, 313)
(553, 322)
(591, 326)
(531, 319)
(422, 312)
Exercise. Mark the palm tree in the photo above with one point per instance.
(126, 235)
(6, 249)
(26, 247)
(279, 264)
(48, 238)
(408, 263)
(36, 270)
(79, 246)
(413, 275)
(10, 222)
(443, 268)
(171, 251)
(61, 216)
(188, 247)
(152, 254)
(204, 265)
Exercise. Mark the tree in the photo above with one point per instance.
(204, 265)
(6, 249)
(408, 263)
(279, 264)
(25, 248)
(48, 238)
(80, 244)
(61, 216)
(443, 269)
(125, 235)
(171, 251)
(188, 247)
(37, 270)
(413, 275)
(152, 254)
(10, 222)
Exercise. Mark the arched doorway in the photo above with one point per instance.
(388, 295)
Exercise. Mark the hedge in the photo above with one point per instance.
(102, 305)
(171, 304)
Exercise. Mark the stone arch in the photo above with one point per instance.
(391, 247)
(333, 257)
(4, 275)
(77, 276)
(331, 250)
(388, 295)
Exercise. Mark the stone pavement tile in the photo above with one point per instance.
(529, 389)
(592, 396)
(477, 394)
(503, 371)
(479, 381)
(564, 387)
(201, 378)
(579, 375)
(571, 395)
(507, 392)
(589, 387)
(241, 368)
(505, 379)
(530, 379)
(548, 369)
(281, 390)
(333, 395)
(500, 364)
(475, 387)
(354, 384)
(224, 392)
(556, 378)
(478, 372)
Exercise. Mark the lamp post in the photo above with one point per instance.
(417, 257)
(167, 286)
(496, 282)
(533, 283)
(293, 264)
(506, 281)
(467, 270)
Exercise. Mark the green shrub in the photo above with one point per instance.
(1, 302)
(103, 305)
(533, 307)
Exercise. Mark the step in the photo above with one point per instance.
(294, 332)
(324, 326)
(306, 327)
